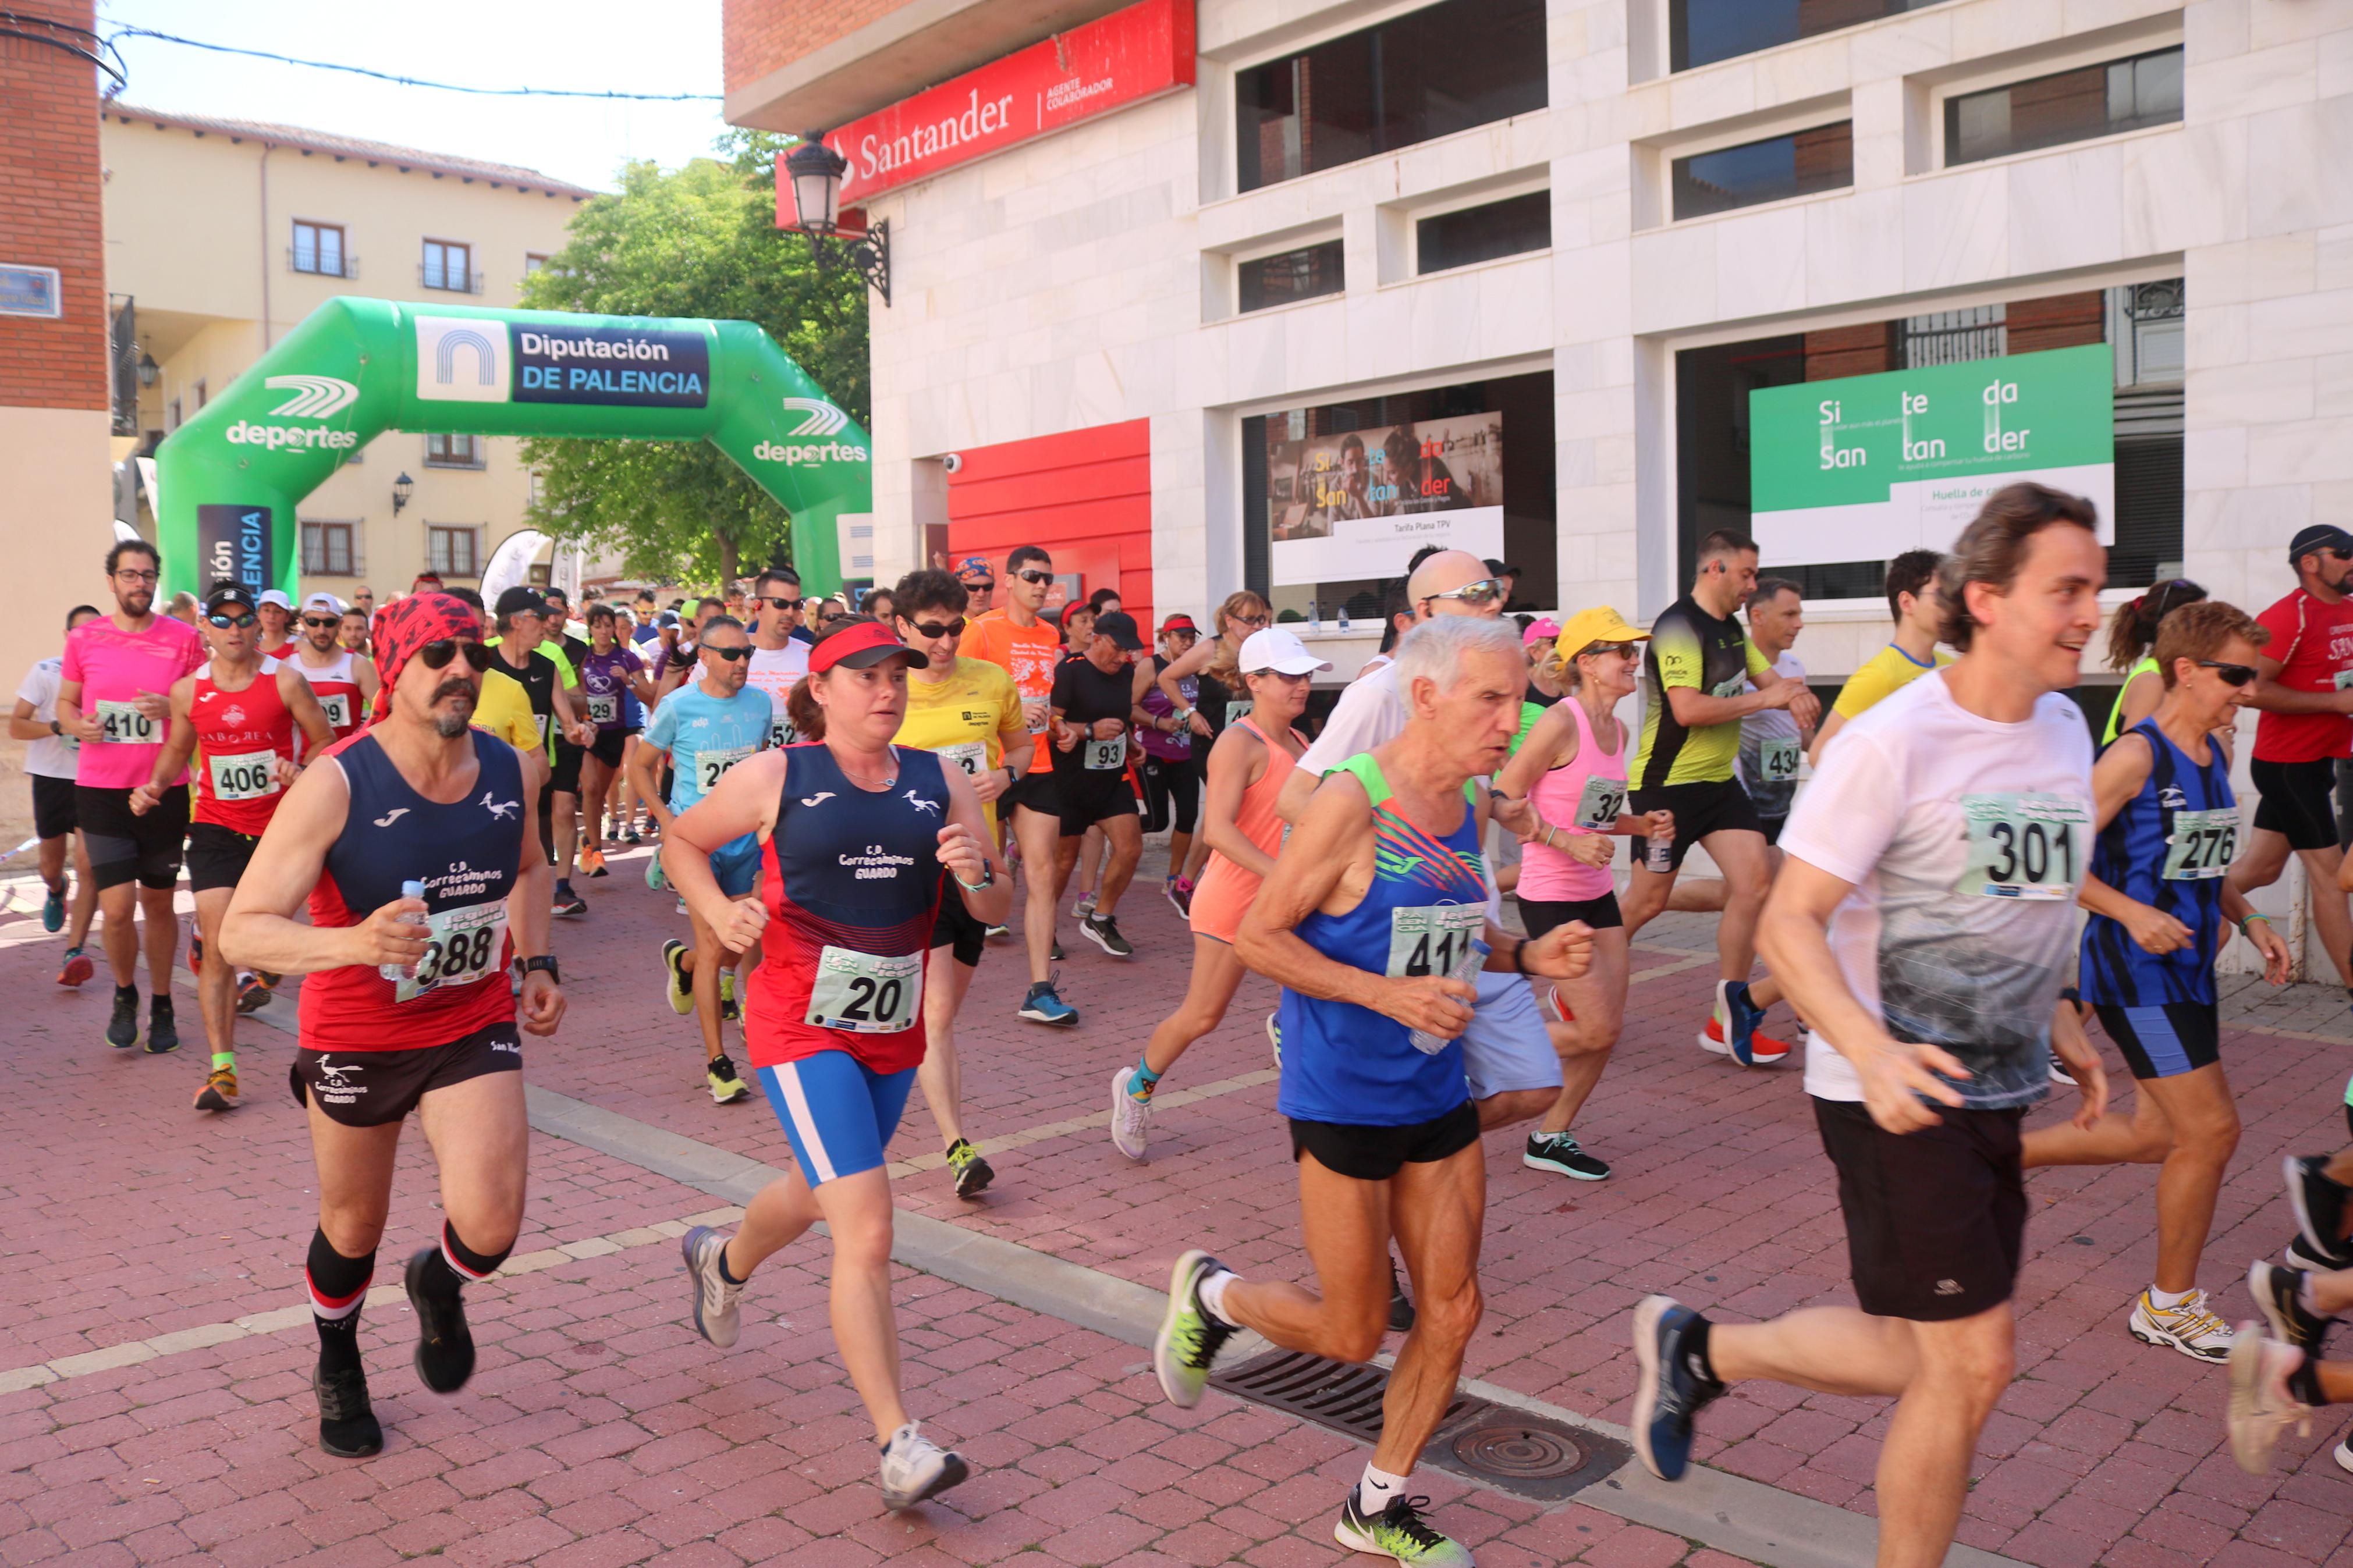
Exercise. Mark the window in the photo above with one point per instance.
(1430, 73)
(448, 264)
(453, 451)
(1701, 32)
(329, 550)
(2069, 106)
(1779, 167)
(532, 262)
(319, 248)
(1481, 234)
(1300, 274)
(452, 551)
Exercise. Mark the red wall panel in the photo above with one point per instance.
(1085, 496)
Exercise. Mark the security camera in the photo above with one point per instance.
(953, 462)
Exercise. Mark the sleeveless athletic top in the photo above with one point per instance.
(1427, 900)
(1226, 889)
(1175, 746)
(852, 880)
(2116, 710)
(240, 737)
(2168, 849)
(338, 691)
(467, 854)
(1584, 797)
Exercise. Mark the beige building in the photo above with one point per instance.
(222, 234)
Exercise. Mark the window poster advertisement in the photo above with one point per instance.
(1357, 503)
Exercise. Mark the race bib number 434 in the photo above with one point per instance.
(2025, 845)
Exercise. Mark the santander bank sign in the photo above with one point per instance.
(1109, 63)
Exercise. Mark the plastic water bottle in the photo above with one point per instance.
(1343, 615)
(397, 972)
(1474, 959)
(1662, 855)
(1315, 615)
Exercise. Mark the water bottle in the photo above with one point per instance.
(1343, 615)
(1661, 856)
(397, 972)
(1315, 615)
(1474, 959)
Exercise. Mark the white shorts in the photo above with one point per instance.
(1506, 1046)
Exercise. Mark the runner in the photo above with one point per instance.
(676, 663)
(1929, 895)
(2132, 634)
(1248, 767)
(613, 688)
(345, 682)
(967, 711)
(1170, 770)
(568, 747)
(832, 1027)
(1094, 699)
(1909, 654)
(778, 658)
(1772, 743)
(114, 689)
(1385, 867)
(979, 585)
(522, 658)
(704, 729)
(276, 612)
(49, 762)
(416, 798)
(2168, 827)
(1697, 681)
(1575, 783)
(2278, 1379)
(1205, 688)
(240, 711)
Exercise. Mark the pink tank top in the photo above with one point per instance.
(1227, 889)
(1582, 798)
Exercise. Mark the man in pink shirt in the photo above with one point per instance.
(115, 696)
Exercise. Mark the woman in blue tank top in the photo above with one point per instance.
(2159, 902)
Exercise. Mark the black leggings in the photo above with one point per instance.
(1172, 794)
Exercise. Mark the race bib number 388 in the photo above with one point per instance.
(462, 946)
(2024, 845)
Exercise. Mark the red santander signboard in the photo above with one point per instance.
(1109, 63)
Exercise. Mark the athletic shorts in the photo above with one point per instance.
(123, 848)
(218, 856)
(1087, 798)
(1507, 1045)
(2298, 800)
(369, 1089)
(1772, 826)
(1172, 793)
(1722, 806)
(956, 927)
(838, 1113)
(2166, 1040)
(1541, 915)
(1935, 1220)
(737, 864)
(1035, 790)
(611, 745)
(1376, 1153)
(566, 779)
(53, 806)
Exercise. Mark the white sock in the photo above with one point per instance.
(1213, 1295)
(1373, 1492)
(2162, 1298)
(2305, 1297)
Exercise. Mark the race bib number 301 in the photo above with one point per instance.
(462, 946)
(125, 725)
(2202, 845)
(2024, 845)
(864, 993)
(1432, 939)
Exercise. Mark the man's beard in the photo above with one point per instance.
(139, 603)
(449, 726)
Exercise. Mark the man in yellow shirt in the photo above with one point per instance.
(1912, 600)
(503, 709)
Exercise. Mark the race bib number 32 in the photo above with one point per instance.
(125, 725)
(863, 994)
(2024, 845)
(1598, 807)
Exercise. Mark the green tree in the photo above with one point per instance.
(699, 241)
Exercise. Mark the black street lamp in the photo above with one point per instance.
(401, 490)
(816, 171)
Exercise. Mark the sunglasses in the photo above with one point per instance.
(1035, 578)
(1478, 593)
(935, 630)
(1260, 621)
(318, 623)
(438, 654)
(1606, 649)
(2232, 674)
(730, 654)
(227, 622)
(780, 604)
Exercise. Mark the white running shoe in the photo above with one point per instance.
(2191, 1328)
(716, 1318)
(2260, 1406)
(1084, 908)
(915, 1468)
(1131, 1119)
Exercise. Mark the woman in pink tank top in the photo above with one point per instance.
(1572, 769)
(1247, 769)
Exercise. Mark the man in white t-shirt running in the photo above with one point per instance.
(778, 658)
(1925, 922)
(49, 759)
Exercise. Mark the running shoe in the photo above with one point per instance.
(1189, 1338)
(569, 904)
(915, 1468)
(1560, 1010)
(726, 1087)
(1560, 1152)
(2299, 1252)
(253, 993)
(1399, 1530)
(716, 1316)
(1402, 1313)
(163, 1028)
(1178, 891)
(2343, 1452)
(2319, 1204)
(592, 863)
(633, 837)
(2261, 1407)
(2279, 1293)
(727, 1007)
(1275, 1038)
(973, 1173)
(220, 1092)
(1670, 1388)
(1103, 932)
(997, 935)
(347, 1424)
(1732, 1030)
(53, 911)
(445, 1345)
(77, 968)
(1041, 1006)
(123, 1023)
(678, 985)
(2191, 1328)
(1084, 908)
(654, 878)
(1131, 1119)
(2060, 1075)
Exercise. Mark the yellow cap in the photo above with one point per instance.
(1601, 623)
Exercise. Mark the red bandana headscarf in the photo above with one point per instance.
(410, 624)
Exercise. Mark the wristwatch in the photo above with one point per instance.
(55, 727)
(544, 964)
(988, 881)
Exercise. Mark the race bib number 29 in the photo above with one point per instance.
(2024, 845)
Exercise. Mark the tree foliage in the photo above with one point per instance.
(699, 241)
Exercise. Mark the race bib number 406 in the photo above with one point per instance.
(2024, 845)
(864, 993)
(248, 776)
(462, 946)
(125, 725)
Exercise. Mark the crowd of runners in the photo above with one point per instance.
(396, 802)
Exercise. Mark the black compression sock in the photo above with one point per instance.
(337, 1286)
(456, 1264)
(1695, 1347)
(2305, 1382)
(129, 991)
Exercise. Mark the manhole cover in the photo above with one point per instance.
(1511, 1450)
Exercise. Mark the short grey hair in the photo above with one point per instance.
(1434, 650)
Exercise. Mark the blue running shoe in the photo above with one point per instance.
(53, 911)
(1671, 1387)
(1732, 1028)
(1041, 1006)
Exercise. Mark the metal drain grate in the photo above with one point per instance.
(1479, 1440)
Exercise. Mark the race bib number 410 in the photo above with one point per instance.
(864, 993)
(2024, 845)
(125, 725)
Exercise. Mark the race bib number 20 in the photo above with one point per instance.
(863, 994)
(2024, 845)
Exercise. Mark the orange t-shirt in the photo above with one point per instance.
(1029, 654)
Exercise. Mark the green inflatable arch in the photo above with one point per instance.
(228, 481)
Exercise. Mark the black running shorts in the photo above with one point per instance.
(1935, 1220)
(611, 746)
(2298, 801)
(1034, 791)
(53, 806)
(124, 848)
(1089, 797)
(565, 778)
(1541, 915)
(369, 1089)
(1376, 1153)
(954, 926)
(1719, 806)
(218, 856)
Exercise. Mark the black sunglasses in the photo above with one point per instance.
(315, 622)
(730, 654)
(1033, 578)
(226, 622)
(936, 629)
(438, 654)
(2232, 674)
(782, 603)
(979, 585)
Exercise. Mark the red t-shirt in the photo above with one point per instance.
(2314, 644)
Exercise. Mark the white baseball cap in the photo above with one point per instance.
(322, 600)
(274, 596)
(1281, 651)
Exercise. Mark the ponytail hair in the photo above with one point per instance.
(2132, 630)
(801, 708)
(1225, 664)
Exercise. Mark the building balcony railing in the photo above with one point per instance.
(301, 260)
(455, 281)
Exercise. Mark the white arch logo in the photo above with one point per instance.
(824, 418)
(461, 359)
(315, 396)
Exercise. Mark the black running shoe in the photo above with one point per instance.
(1103, 932)
(2279, 1293)
(162, 1033)
(445, 1346)
(2299, 1253)
(973, 1173)
(569, 904)
(1671, 1387)
(1400, 1304)
(2319, 1204)
(1560, 1152)
(347, 1422)
(122, 1024)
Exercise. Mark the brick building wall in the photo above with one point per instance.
(759, 35)
(50, 214)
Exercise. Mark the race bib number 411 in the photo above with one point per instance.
(2024, 845)
(1432, 939)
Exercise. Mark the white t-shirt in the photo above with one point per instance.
(775, 671)
(1770, 795)
(51, 756)
(1966, 841)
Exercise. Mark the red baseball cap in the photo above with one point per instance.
(1179, 622)
(860, 645)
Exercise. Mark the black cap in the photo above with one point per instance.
(1120, 626)
(2318, 536)
(520, 600)
(227, 594)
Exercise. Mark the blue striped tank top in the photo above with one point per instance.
(2168, 849)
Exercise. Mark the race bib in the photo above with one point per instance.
(539, 722)
(1432, 939)
(971, 756)
(462, 946)
(1777, 761)
(781, 731)
(1102, 756)
(1597, 808)
(247, 776)
(709, 767)
(2343, 677)
(1736, 687)
(604, 710)
(2024, 845)
(1034, 713)
(2202, 845)
(338, 709)
(864, 994)
(125, 725)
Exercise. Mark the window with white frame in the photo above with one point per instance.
(453, 551)
(447, 451)
(331, 549)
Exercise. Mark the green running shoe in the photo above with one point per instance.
(1400, 1531)
(1189, 1338)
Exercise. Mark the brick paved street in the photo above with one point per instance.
(141, 1421)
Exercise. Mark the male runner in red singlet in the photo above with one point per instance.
(345, 681)
(417, 798)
